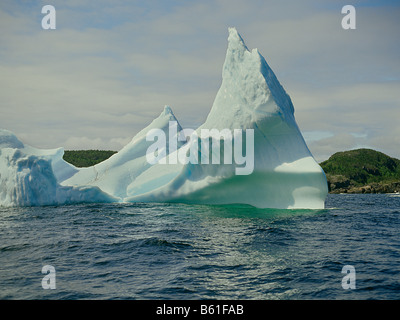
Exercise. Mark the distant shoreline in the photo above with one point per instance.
(376, 188)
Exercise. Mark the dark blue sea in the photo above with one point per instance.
(175, 251)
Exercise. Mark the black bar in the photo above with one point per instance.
(195, 309)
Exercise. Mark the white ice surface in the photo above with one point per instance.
(27, 176)
(115, 174)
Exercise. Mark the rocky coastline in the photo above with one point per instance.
(341, 184)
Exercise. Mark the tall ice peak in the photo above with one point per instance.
(250, 92)
(235, 41)
(167, 110)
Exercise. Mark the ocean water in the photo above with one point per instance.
(175, 251)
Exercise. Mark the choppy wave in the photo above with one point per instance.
(178, 251)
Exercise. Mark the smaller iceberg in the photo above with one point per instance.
(29, 176)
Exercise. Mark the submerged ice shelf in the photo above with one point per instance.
(284, 173)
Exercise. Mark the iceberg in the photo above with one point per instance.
(285, 173)
(281, 172)
(29, 176)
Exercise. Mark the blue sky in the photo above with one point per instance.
(111, 66)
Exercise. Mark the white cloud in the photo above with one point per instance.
(85, 143)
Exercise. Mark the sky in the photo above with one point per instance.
(110, 67)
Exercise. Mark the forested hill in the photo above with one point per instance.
(362, 171)
(86, 158)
